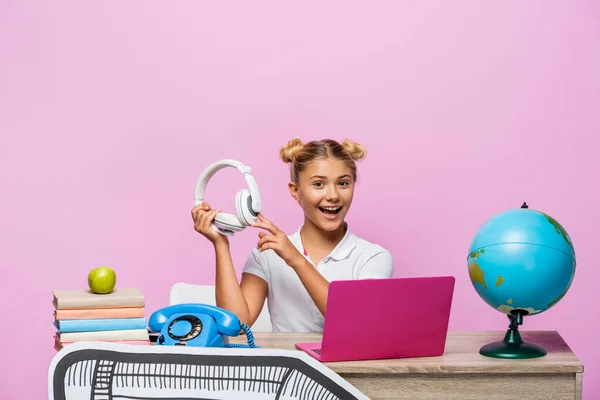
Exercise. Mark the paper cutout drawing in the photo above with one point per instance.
(117, 371)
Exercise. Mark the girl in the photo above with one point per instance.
(294, 271)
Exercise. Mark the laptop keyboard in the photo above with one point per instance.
(318, 351)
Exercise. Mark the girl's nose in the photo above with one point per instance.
(332, 194)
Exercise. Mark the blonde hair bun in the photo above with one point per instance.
(356, 151)
(291, 149)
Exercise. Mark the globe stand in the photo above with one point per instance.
(513, 346)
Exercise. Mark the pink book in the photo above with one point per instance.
(59, 345)
(99, 313)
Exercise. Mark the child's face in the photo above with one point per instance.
(325, 191)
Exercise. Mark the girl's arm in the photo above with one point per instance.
(316, 285)
(245, 299)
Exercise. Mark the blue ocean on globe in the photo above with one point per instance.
(521, 259)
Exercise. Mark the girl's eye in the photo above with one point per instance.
(318, 184)
(344, 183)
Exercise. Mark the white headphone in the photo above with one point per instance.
(247, 201)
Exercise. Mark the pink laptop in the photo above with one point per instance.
(384, 318)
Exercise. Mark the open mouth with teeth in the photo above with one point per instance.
(330, 211)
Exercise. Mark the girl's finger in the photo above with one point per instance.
(266, 239)
(266, 226)
(262, 219)
(197, 212)
(272, 227)
(210, 216)
(205, 218)
(267, 246)
(195, 209)
(198, 217)
(202, 220)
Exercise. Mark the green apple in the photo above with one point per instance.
(102, 280)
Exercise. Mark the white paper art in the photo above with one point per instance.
(117, 371)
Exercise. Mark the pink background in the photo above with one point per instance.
(110, 111)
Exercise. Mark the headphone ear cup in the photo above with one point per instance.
(227, 224)
(243, 204)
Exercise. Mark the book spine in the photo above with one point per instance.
(92, 325)
(110, 336)
(100, 313)
(97, 302)
(58, 345)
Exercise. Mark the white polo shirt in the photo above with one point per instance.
(290, 306)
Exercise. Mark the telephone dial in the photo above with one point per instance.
(194, 324)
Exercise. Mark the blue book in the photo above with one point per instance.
(91, 325)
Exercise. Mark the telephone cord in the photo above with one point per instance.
(250, 337)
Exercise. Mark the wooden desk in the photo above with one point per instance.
(461, 373)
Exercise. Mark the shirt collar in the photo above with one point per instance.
(340, 252)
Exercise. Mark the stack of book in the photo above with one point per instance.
(81, 315)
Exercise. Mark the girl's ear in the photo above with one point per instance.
(294, 191)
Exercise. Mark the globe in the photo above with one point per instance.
(521, 262)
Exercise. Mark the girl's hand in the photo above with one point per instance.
(277, 241)
(203, 217)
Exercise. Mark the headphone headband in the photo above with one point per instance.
(219, 165)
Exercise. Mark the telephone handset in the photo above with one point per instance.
(194, 324)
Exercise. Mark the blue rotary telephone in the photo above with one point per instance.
(192, 324)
